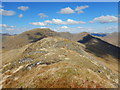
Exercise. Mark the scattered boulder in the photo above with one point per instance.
(37, 52)
(25, 60)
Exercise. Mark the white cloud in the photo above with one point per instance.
(7, 12)
(79, 9)
(43, 27)
(66, 10)
(67, 22)
(20, 15)
(64, 27)
(80, 27)
(73, 29)
(23, 8)
(113, 28)
(42, 15)
(70, 21)
(85, 29)
(12, 26)
(3, 25)
(10, 29)
(105, 19)
(58, 22)
(48, 21)
(6, 26)
(1, 6)
(39, 23)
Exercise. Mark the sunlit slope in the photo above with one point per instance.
(17, 41)
(55, 62)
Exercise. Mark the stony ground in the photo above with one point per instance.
(55, 63)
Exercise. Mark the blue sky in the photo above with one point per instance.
(71, 17)
(60, 0)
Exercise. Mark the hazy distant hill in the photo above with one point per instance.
(113, 38)
(74, 37)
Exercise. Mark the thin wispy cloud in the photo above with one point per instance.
(39, 23)
(1, 6)
(23, 8)
(64, 27)
(73, 29)
(112, 28)
(6, 26)
(42, 15)
(9, 29)
(20, 15)
(80, 9)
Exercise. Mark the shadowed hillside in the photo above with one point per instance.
(100, 47)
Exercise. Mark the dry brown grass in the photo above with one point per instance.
(75, 69)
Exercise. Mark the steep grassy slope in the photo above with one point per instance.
(99, 47)
(103, 51)
(55, 62)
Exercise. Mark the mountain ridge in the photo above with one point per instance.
(55, 62)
